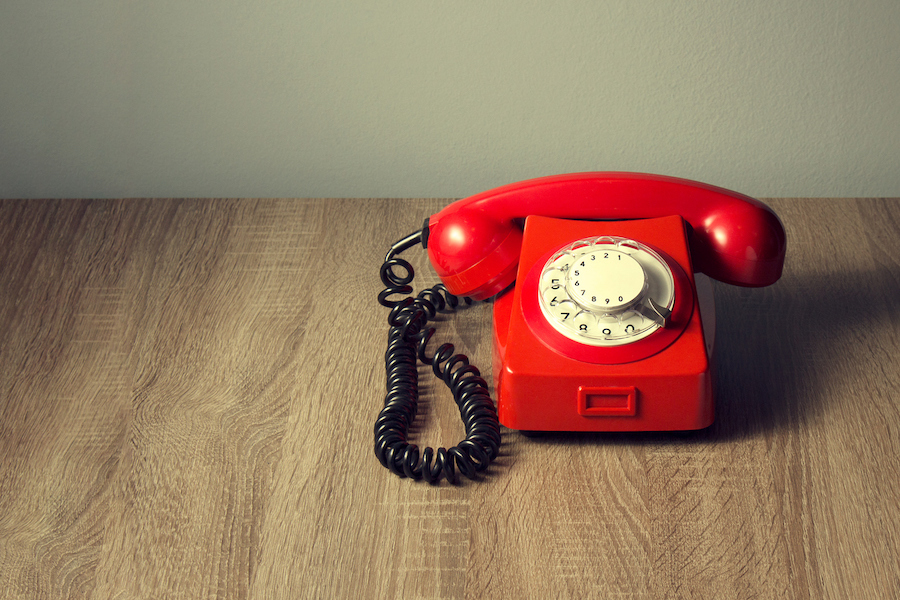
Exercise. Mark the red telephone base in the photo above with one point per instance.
(547, 382)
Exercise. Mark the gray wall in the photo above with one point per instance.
(104, 98)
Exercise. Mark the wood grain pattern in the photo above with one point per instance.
(188, 387)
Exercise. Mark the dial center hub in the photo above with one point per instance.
(606, 281)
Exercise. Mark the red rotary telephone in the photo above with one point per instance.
(607, 327)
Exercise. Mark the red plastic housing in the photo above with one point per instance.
(547, 382)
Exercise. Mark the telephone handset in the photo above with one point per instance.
(607, 327)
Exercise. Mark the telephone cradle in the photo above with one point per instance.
(603, 317)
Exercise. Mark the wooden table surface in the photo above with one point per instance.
(188, 389)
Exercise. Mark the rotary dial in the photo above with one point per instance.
(606, 291)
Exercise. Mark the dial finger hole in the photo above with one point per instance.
(565, 311)
(585, 323)
(632, 323)
(627, 246)
(553, 279)
(552, 297)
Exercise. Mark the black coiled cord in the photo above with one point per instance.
(408, 337)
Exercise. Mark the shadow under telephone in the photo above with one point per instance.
(609, 325)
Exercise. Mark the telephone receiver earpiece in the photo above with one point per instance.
(474, 243)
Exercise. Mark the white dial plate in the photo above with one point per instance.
(605, 280)
(598, 291)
